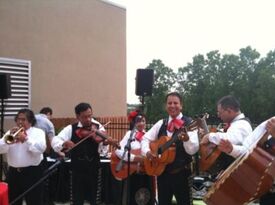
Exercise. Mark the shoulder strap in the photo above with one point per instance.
(186, 119)
(246, 119)
(162, 130)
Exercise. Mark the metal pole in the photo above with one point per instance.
(2, 133)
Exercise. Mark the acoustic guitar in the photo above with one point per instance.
(123, 172)
(164, 149)
(209, 153)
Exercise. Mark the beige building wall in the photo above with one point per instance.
(77, 49)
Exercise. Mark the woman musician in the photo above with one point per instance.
(24, 146)
(138, 180)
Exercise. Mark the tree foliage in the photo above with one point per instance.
(164, 80)
(207, 78)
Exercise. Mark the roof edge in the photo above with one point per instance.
(113, 4)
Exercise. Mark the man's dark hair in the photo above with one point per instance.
(229, 101)
(81, 107)
(29, 115)
(174, 94)
(46, 110)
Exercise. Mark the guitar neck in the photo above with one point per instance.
(204, 125)
(168, 144)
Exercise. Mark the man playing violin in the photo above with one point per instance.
(24, 149)
(85, 159)
(175, 179)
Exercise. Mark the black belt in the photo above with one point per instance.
(86, 158)
(177, 170)
(21, 169)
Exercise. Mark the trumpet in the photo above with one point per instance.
(11, 138)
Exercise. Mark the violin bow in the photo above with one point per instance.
(84, 138)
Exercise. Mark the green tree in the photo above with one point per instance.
(164, 81)
(197, 81)
(263, 98)
(207, 78)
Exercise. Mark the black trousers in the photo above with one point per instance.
(268, 199)
(178, 184)
(19, 180)
(84, 184)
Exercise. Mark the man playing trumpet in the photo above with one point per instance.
(24, 146)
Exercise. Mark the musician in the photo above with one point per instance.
(237, 129)
(24, 157)
(175, 180)
(249, 143)
(133, 138)
(137, 130)
(85, 159)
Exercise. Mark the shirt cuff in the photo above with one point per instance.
(214, 139)
(235, 152)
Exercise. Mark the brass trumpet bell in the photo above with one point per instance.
(10, 138)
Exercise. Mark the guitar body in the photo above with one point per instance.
(156, 167)
(209, 153)
(123, 173)
(247, 179)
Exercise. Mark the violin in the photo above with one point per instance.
(86, 132)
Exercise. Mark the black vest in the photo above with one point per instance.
(86, 153)
(182, 157)
(224, 160)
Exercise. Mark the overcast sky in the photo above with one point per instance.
(176, 30)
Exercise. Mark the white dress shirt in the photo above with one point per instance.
(66, 133)
(135, 144)
(236, 133)
(191, 146)
(250, 142)
(29, 153)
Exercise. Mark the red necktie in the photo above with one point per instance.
(175, 124)
(139, 136)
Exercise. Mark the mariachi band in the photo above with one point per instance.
(159, 160)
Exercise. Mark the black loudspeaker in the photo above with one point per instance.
(144, 82)
(5, 89)
(141, 190)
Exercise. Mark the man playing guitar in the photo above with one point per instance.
(174, 180)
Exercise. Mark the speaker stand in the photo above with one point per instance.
(2, 133)
(142, 103)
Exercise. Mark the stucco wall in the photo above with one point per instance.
(77, 50)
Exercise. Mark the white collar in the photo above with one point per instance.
(178, 117)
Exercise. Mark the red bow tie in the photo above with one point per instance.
(139, 136)
(175, 124)
(227, 125)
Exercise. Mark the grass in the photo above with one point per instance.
(195, 202)
(198, 202)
